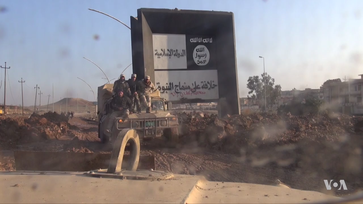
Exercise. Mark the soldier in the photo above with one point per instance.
(120, 107)
(146, 88)
(121, 85)
(134, 96)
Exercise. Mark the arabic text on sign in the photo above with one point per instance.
(179, 87)
(201, 55)
(199, 40)
(188, 93)
(170, 53)
(201, 61)
(200, 49)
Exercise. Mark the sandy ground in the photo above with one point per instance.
(75, 187)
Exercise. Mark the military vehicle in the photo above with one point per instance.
(158, 124)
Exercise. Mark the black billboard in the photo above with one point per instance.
(210, 50)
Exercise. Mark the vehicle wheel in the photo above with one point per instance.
(123, 138)
(99, 130)
(104, 138)
(171, 136)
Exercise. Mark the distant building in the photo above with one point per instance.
(332, 90)
(336, 91)
(207, 106)
(248, 101)
(299, 95)
(344, 94)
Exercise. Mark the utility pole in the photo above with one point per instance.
(5, 87)
(36, 93)
(40, 98)
(22, 96)
(48, 101)
(60, 106)
(262, 78)
(53, 96)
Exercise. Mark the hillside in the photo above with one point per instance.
(74, 102)
(68, 104)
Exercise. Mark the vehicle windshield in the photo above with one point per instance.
(157, 105)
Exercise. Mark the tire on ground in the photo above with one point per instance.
(104, 138)
(119, 145)
(171, 136)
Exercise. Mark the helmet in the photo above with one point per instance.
(122, 75)
(133, 75)
(147, 77)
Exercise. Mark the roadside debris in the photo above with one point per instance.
(15, 131)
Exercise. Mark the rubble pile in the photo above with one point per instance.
(11, 131)
(76, 146)
(266, 129)
(52, 117)
(318, 146)
(14, 131)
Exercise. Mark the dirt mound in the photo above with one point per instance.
(11, 131)
(14, 131)
(263, 129)
(358, 126)
(316, 146)
(76, 146)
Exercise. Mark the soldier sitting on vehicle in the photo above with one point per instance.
(119, 107)
(121, 85)
(145, 90)
(134, 96)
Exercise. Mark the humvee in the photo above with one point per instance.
(159, 123)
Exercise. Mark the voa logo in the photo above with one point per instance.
(338, 185)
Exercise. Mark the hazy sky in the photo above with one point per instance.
(304, 42)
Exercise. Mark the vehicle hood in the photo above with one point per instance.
(159, 114)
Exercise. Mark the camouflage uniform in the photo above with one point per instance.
(134, 96)
(119, 106)
(147, 87)
(121, 85)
